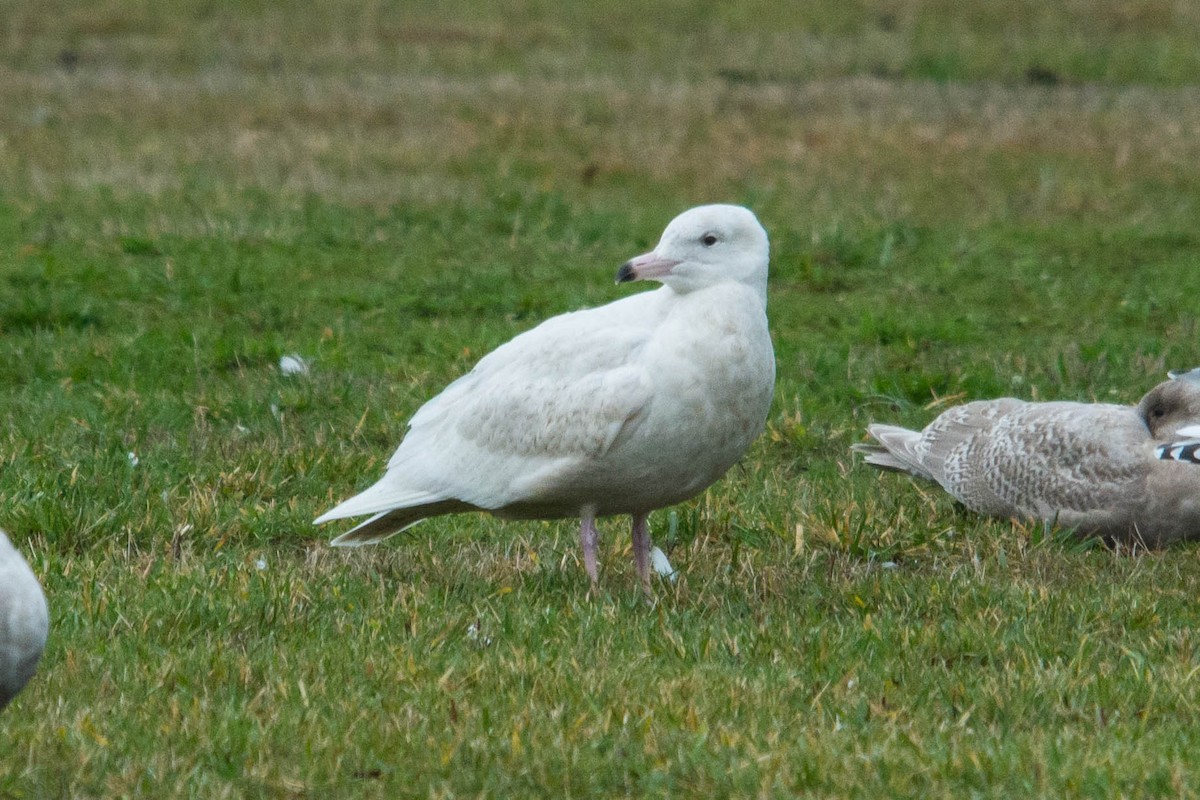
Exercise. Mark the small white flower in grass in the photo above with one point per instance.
(474, 635)
(658, 560)
(293, 364)
(133, 459)
(260, 564)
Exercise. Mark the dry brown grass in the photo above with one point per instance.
(833, 146)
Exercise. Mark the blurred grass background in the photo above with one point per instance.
(964, 202)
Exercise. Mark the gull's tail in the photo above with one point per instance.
(393, 508)
(896, 450)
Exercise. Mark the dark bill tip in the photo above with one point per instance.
(626, 273)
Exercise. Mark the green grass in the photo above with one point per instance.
(962, 204)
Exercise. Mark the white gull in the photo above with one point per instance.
(621, 409)
(24, 621)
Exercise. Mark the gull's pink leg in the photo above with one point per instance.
(589, 537)
(641, 550)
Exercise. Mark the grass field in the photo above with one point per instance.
(963, 203)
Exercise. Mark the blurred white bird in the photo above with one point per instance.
(293, 364)
(620, 409)
(1125, 473)
(24, 621)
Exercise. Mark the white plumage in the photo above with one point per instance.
(1126, 473)
(24, 621)
(620, 409)
(1192, 431)
(661, 564)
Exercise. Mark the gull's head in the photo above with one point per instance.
(1172, 405)
(705, 246)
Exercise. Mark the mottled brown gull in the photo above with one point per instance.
(24, 621)
(1125, 473)
(620, 409)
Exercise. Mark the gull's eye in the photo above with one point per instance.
(708, 239)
